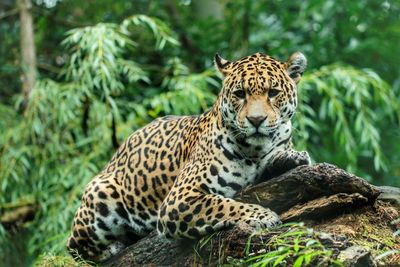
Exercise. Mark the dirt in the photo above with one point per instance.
(372, 227)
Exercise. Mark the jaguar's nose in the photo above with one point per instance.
(257, 120)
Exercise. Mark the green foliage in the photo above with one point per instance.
(296, 246)
(351, 106)
(50, 260)
(160, 30)
(184, 93)
(36, 148)
(97, 64)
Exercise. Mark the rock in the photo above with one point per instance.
(356, 256)
(389, 194)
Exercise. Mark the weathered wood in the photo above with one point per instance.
(153, 249)
(324, 207)
(308, 193)
(306, 183)
(14, 217)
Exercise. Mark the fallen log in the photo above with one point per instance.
(13, 216)
(306, 183)
(344, 210)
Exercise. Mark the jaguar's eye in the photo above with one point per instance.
(273, 92)
(240, 93)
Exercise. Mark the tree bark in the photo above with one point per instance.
(342, 206)
(85, 116)
(27, 45)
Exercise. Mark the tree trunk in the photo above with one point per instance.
(343, 209)
(27, 45)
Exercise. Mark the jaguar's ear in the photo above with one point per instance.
(222, 65)
(296, 65)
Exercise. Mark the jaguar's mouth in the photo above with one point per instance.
(258, 135)
(268, 133)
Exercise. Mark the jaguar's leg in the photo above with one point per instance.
(194, 214)
(98, 223)
(285, 161)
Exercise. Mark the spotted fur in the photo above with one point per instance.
(179, 174)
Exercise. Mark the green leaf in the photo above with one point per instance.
(299, 261)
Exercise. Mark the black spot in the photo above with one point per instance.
(144, 216)
(208, 212)
(163, 211)
(115, 194)
(205, 188)
(183, 207)
(213, 170)
(102, 195)
(102, 225)
(175, 214)
(188, 218)
(121, 211)
(194, 232)
(228, 154)
(200, 222)
(140, 223)
(164, 177)
(137, 192)
(162, 166)
(171, 227)
(160, 228)
(197, 209)
(221, 181)
(153, 212)
(103, 209)
(72, 243)
(183, 226)
(219, 215)
(92, 234)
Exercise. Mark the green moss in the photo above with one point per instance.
(50, 260)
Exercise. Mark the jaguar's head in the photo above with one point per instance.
(259, 92)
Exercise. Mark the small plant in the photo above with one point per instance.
(50, 260)
(295, 246)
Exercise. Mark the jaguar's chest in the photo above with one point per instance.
(234, 177)
(239, 165)
(232, 170)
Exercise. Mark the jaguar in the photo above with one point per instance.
(179, 174)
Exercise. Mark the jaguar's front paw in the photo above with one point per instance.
(264, 218)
